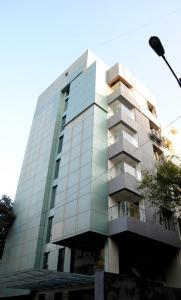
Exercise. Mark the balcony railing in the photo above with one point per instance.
(113, 139)
(162, 141)
(112, 111)
(123, 168)
(117, 106)
(156, 136)
(114, 172)
(122, 136)
(126, 208)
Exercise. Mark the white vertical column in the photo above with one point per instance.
(173, 271)
(65, 295)
(111, 256)
(67, 259)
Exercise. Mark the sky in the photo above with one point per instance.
(40, 38)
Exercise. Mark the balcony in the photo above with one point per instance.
(156, 137)
(124, 95)
(119, 145)
(118, 73)
(121, 112)
(160, 142)
(131, 220)
(119, 117)
(126, 208)
(153, 120)
(123, 185)
(131, 99)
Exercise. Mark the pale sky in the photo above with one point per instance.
(39, 39)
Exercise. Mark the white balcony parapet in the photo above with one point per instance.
(113, 139)
(117, 106)
(123, 168)
(123, 135)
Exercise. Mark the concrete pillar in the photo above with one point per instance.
(106, 257)
(67, 259)
(173, 271)
(53, 258)
(65, 295)
(99, 286)
(111, 256)
(49, 296)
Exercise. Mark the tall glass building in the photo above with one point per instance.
(78, 210)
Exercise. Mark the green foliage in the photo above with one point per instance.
(162, 185)
(7, 217)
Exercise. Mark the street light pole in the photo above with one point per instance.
(156, 45)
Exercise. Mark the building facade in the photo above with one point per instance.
(78, 210)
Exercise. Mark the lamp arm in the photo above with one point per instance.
(178, 80)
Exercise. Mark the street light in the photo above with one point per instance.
(156, 45)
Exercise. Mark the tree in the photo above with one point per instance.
(7, 217)
(162, 186)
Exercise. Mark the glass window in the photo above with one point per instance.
(119, 168)
(61, 256)
(114, 108)
(151, 108)
(45, 260)
(66, 104)
(133, 170)
(49, 228)
(132, 139)
(179, 223)
(66, 92)
(138, 173)
(87, 261)
(52, 202)
(129, 169)
(57, 164)
(129, 112)
(2, 249)
(63, 123)
(60, 144)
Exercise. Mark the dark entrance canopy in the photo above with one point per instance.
(41, 279)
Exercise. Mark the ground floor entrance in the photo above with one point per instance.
(87, 294)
